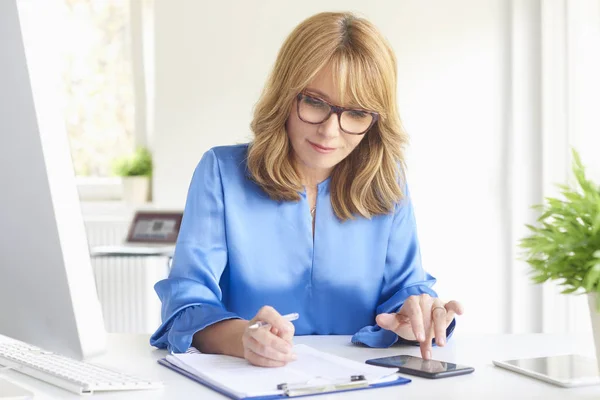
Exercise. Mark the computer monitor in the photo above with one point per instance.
(48, 295)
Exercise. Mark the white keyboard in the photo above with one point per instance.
(75, 376)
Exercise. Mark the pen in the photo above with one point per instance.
(288, 317)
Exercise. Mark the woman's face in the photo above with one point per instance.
(318, 148)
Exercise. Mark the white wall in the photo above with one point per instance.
(584, 76)
(212, 60)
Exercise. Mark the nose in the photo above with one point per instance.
(330, 127)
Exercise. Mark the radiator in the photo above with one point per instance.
(105, 231)
(125, 284)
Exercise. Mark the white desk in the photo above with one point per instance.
(132, 353)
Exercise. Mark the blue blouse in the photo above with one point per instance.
(239, 250)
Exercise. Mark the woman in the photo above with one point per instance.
(312, 217)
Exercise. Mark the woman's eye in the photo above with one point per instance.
(358, 114)
(314, 102)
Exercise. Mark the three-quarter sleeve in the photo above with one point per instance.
(403, 277)
(191, 297)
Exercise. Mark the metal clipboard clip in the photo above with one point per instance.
(322, 385)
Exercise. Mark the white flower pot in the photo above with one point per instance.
(136, 189)
(595, 324)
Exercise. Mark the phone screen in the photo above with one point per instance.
(420, 367)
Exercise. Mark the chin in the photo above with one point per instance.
(322, 163)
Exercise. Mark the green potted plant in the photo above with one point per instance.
(135, 171)
(565, 244)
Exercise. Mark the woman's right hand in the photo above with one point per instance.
(269, 346)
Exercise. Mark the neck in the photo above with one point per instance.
(311, 177)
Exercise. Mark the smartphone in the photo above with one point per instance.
(417, 366)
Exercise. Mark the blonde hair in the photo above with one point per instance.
(369, 180)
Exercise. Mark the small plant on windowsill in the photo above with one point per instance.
(565, 244)
(135, 172)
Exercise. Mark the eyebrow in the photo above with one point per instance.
(315, 91)
(325, 97)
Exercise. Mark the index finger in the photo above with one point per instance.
(268, 345)
(270, 316)
(412, 310)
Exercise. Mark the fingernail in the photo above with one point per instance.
(428, 355)
(442, 342)
(420, 337)
(294, 356)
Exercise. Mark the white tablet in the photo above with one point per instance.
(567, 370)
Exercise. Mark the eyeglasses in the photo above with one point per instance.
(313, 110)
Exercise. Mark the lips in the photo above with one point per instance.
(321, 149)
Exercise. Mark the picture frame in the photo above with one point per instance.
(155, 227)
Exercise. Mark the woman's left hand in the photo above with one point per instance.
(422, 318)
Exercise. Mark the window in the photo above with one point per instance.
(98, 82)
(102, 80)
